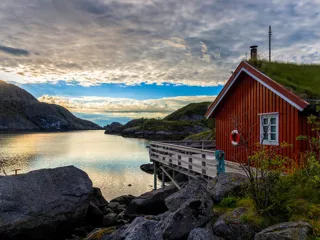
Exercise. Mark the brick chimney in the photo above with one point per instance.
(254, 53)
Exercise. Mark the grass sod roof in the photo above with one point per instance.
(301, 79)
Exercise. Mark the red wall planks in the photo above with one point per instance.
(243, 102)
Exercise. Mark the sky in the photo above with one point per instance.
(109, 60)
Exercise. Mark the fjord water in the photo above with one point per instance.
(112, 162)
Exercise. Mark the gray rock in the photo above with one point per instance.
(109, 219)
(230, 227)
(226, 184)
(285, 231)
(107, 210)
(121, 208)
(123, 200)
(190, 215)
(195, 189)
(113, 205)
(121, 216)
(94, 214)
(202, 234)
(147, 168)
(139, 229)
(43, 203)
(98, 198)
(162, 216)
(150, 203)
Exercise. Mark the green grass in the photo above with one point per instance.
(302, 79)
(228, 204)
(188, 111)
(206, 135)
(163, 125)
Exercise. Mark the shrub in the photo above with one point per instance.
(228, 202)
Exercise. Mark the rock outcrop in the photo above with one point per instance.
(230, 227)
(43, 204)
(20, 111)
(113, 128)
(202, 234)
(192, 214)
(140, 228)
(150, 203)
(226, 184)
(286, 231)
(194, 190)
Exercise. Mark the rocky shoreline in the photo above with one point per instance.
(61, 203)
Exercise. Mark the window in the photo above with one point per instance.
(269, 128)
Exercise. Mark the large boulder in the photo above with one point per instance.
(192, 214)
(123, 200)
(139, 229)
(285, 231)
(195, 189)
(230, 226)
(98, 198)
(202, 234)
(43, 204)
(226, 184)
(150, 203)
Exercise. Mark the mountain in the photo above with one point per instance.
(184, 122)
(20, 111)
(191, 112)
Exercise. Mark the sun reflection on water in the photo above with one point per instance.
(112, 162)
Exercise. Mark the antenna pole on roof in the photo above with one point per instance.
(270, 33)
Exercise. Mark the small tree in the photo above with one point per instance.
(314, 140)
(264, 163)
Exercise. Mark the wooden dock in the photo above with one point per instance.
(191, 161)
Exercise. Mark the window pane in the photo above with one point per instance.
(273, 120)
(265, 121)
(273, 136)
(265, 129)
(265, 137)
(273, 129)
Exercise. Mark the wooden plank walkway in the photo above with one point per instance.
(190, 161)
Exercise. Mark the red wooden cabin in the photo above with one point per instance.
(262, 110)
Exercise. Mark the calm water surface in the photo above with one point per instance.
(112, 162)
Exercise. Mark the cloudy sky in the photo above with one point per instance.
(116, 60)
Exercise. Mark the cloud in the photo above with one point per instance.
(124, 107)
(14, 51)
(137, 41)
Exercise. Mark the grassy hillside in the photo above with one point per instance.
(193, 111)
(186, 121)
(302, 79)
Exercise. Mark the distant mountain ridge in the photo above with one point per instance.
(184, 122)
(20, 111)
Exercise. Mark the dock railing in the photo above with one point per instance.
(201, 144)
(190, 161)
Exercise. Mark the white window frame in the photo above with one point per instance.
(269, 116)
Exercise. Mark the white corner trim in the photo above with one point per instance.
(261, 82)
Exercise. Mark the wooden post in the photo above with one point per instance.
(190, 166)
(163, 180)
(204, 172)
(155, 175)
